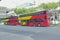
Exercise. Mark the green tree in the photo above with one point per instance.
(58, 3)
(43, 6)
(24, 10)
(48, 6)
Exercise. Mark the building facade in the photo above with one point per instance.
(3, 12)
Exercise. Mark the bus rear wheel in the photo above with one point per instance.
(34, 25)
(38, 25)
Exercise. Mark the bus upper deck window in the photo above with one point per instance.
(41, 12)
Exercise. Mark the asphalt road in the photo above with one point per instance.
(29, 33)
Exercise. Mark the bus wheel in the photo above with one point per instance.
(34, 25)
(38, 25)
(5, 23)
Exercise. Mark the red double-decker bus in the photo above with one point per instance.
(13, 20)
(40, 18)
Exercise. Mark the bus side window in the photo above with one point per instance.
(35, 20)
(41, 20)
(23, 20)
(31, 20)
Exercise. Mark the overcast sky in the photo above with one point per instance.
(14, 3)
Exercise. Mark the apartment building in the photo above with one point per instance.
(3, 12)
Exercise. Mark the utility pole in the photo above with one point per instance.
(34, 2)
